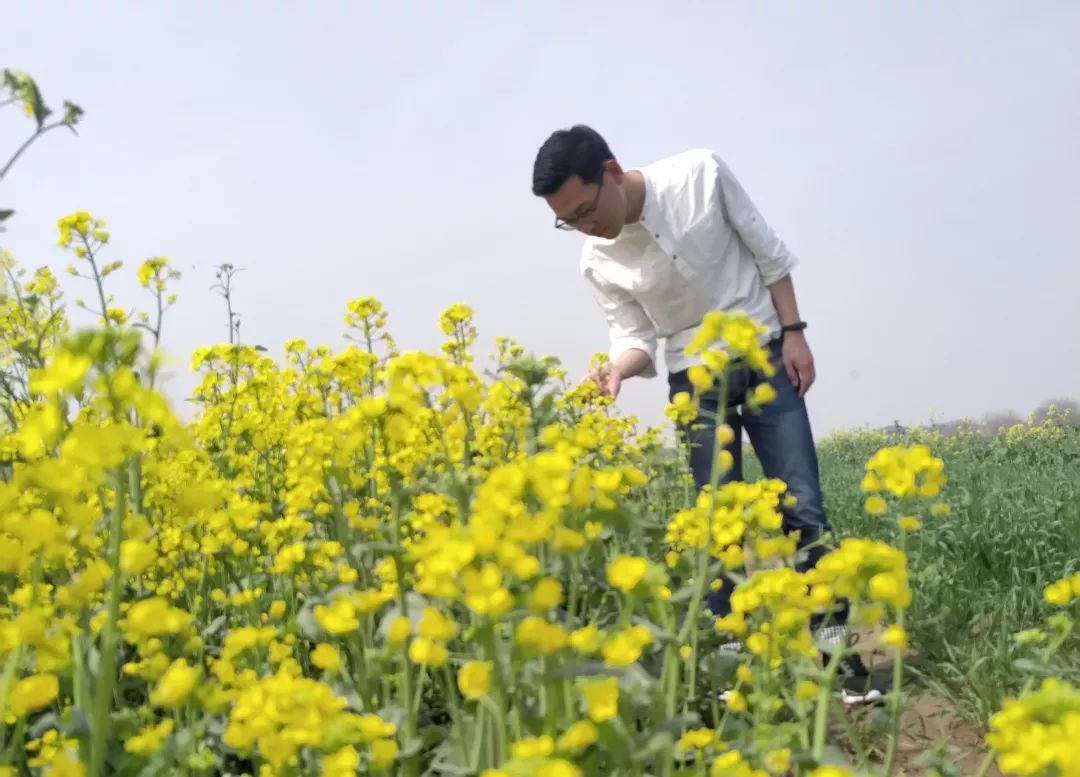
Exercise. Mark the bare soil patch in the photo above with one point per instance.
(928, 724)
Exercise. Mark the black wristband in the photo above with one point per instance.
(796, 327)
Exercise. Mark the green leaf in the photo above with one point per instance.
(72, 113)
(213, 627)
(43, 724)
(414, 608)
(6, 213)
(1027, 666)
(831, 755)
(75, 723)
(579, 669)
(680, 723)
(379, 547)
(657, 743)
(442, 766)
(638, 684)
(305, 622)
(429, 737)
(32, 95)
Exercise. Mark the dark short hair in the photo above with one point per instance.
(579, 150)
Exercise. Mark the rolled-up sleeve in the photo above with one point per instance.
(628, 325)
(773, 258)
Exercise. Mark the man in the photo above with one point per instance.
(667, 243)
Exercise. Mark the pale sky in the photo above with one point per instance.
(922, 160)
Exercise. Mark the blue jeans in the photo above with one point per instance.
(782, 440)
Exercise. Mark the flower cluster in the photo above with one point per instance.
(373, 560)
(1038, 731)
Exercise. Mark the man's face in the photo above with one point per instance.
(595, 209)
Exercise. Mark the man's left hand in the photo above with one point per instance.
(798, 362)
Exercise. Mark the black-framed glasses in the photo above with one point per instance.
(571, 224)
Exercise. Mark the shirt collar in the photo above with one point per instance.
(650, 209)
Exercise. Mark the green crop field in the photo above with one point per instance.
(364, 560)
(980, 571)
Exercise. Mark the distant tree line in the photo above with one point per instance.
(1064, 411)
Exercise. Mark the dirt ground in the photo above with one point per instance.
(927, 723)
(930, 721)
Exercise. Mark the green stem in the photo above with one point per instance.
(412, 765)
(29, 142)
(572, 598)
(821, 714)
(455, 713)
(496, 713)
(721, 418)
(10, 668)
(696, 598)
(110, 637)
(473, 757)
(691, 685)
(18, 741)
(897, 681)
(1051, 649)
(987, 762)
(414, 708)
(498, 692)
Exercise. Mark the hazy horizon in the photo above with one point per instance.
(921, 162)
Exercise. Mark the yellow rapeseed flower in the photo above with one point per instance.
(32, 693)
(625, 572)
(136, 556)
(558, 767)
(778, 761)
(546, 594)
(1062, 592)
(175, 684)
(682, 409)
(909, 523)
(398, 631)
(150, 739)
(736, 702)
(624, 648)
(383, 753)
(700, 377)
(830, 771)
(895, 637)
(425, 652)
(474, 679)
(806, 690)
(875, 505)
(532, 747)
(577, 737)
(435, 626)
(326, 657)
(601, 698)
(339, 617)
(697, 739)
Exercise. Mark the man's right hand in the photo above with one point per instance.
(607, 379)
(610, 376)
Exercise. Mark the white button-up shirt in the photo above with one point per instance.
(700, 245)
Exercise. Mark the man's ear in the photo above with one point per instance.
(615, 170)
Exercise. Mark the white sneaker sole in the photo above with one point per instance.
(849, 698)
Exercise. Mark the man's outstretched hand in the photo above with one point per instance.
(798, 362)
(607, 379)
(609, 376)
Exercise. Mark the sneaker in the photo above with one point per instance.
(858, 685)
